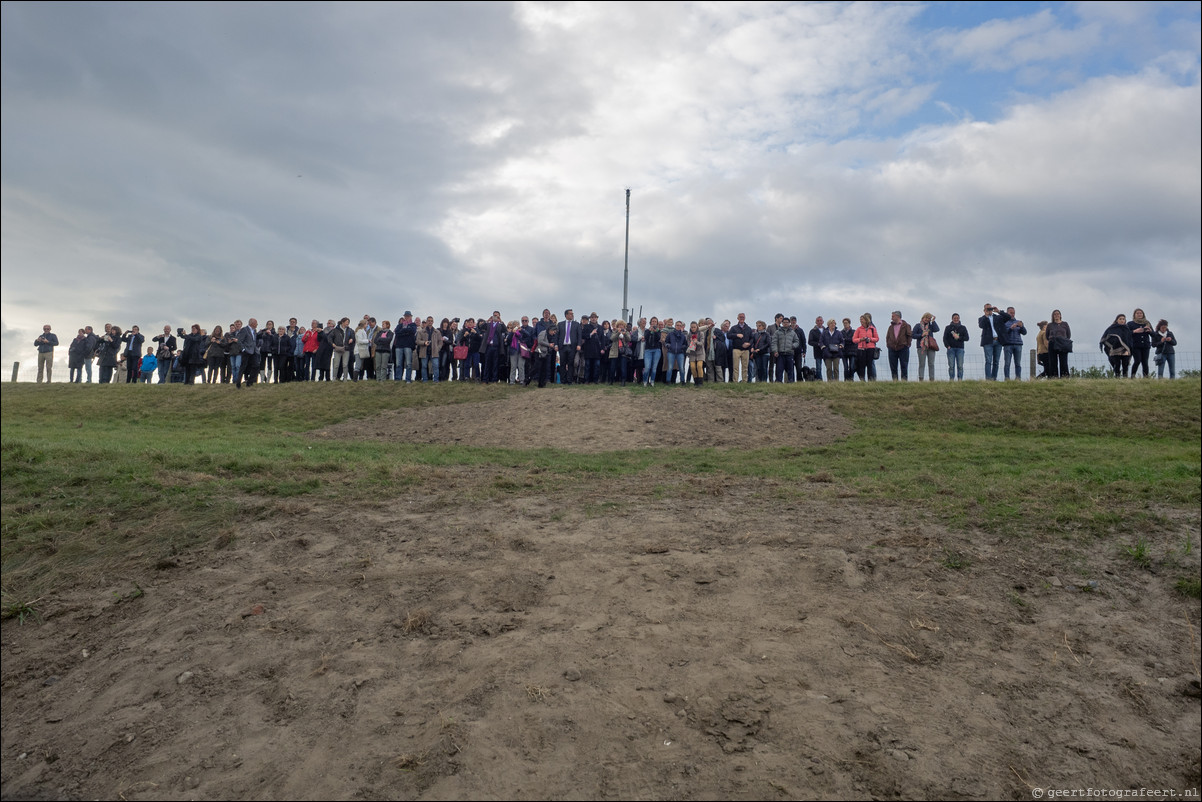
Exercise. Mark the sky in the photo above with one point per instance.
(172, 163)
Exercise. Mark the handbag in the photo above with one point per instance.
(876, 353)
(1061, 345)
(929, 343)
(459, 352)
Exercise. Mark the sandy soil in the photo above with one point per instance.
(677, 640)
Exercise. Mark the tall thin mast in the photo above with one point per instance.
(626, 268)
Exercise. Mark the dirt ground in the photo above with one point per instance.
(688, 640)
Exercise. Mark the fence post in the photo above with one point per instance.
(1034, 364)
(15, 366)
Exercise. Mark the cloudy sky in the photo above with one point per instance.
(178, 163)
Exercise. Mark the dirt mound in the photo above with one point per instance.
(468, 637)
(590, 420)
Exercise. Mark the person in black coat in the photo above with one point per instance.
(1116, 342)
(132, 350)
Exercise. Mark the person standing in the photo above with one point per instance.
(1041, 349)
(1010, 331)
(814, 340)
(383, 341)
(108, 347)
(785, 341)
(832, 348)
(1060, 345)
(897, 340)
(1141, 341)
(1116, 342)
(849, 354)
(1166, 350)
(955, 334)
(248, 339)
(46, 343)
(166, 352)
(866, 339)
(923, 336)
(77, 353)
(741, 336)
(990, 343)
(132, 352)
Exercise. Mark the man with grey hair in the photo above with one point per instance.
(45, 344)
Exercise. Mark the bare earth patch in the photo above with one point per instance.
(469, 639)
(590, 420)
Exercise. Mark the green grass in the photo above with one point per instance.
(98, 479)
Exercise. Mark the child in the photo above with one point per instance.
(149, 364)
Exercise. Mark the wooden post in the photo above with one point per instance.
(16, 365)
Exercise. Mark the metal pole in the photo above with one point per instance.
(626, 269)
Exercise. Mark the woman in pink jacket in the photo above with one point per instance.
(866, 339)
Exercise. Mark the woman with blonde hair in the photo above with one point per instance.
(619, 352)
(696, 351)
(924, 338)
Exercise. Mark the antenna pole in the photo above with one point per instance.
(626, 268)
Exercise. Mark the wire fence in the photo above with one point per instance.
(1086, 365)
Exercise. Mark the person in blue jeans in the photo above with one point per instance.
(1010, 331)
(990, 343)
(955, 334)
(1166, 350)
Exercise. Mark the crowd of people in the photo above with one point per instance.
(545, 349)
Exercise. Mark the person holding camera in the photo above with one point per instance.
(46, 344)
(955, 334)
(1166, 350)
(132, 353)
(165, 352)
(108, 348)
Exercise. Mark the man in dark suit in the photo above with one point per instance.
(133, 340)
(568, 341)
(248, 339)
